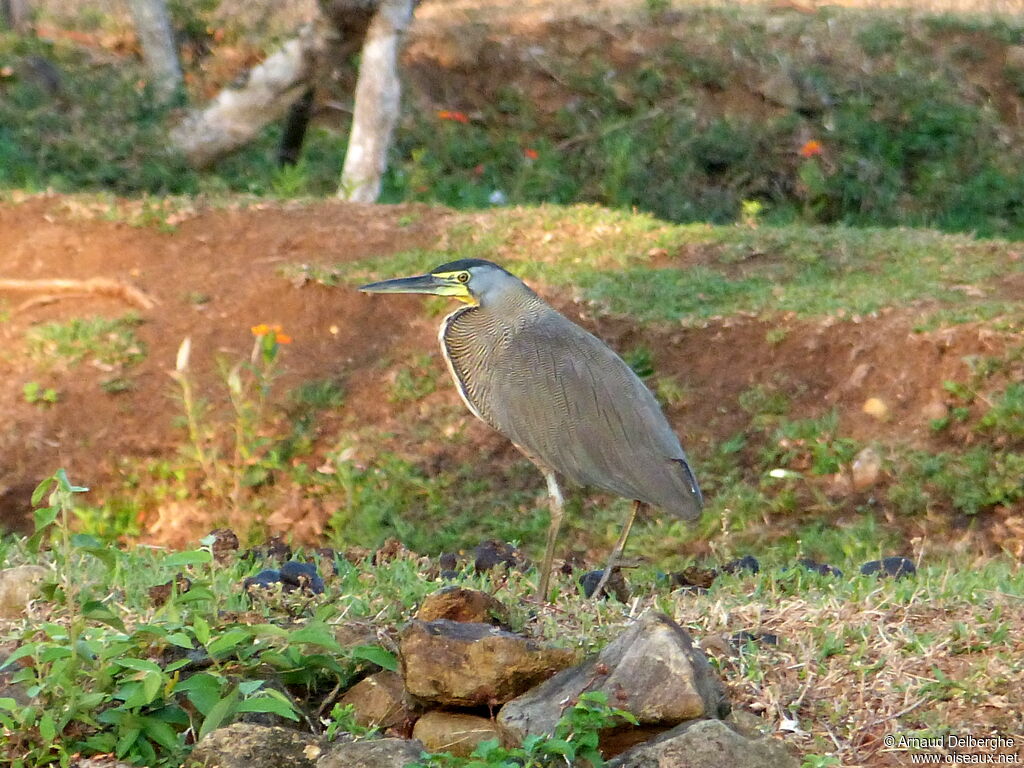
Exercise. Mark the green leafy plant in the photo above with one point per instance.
(35, 394)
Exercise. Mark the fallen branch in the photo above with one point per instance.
(95, 286)
(238, 114)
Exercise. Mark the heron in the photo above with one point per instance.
(561, 395)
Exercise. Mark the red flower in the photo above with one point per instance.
(530, 153)
(455, 117)
(811, 148)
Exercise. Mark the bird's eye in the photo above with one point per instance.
(463, 277)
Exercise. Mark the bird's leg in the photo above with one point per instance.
(617, 550)
(555, 503)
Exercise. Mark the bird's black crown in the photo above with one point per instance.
(462, 264)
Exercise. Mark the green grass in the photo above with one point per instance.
(902, 108)
(942, 636)
(606, 256)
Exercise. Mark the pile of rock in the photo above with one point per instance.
(459, 663)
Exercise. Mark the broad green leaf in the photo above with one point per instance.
(188, 557)
(101, 612)
(202, 689)
(40, 491)
(142, 665)
(26, 650)
(317, 634)
(47, 728)
(55, 652)
(160, 732)
(268, 703)
(249, 687)
(181, 640)
(376, 655)
(219, 713)
(201, 629)
(228, 641)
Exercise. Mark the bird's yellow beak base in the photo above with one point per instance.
(442, 284)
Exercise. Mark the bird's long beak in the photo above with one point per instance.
(432, 284)
(417, 284)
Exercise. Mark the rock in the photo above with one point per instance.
(453, 732)
(1015, 56)
(876, 407)
(18, 586)
(896, 567)
(706, 744)
(652, 670)
(378, 700)
(616, 585)
(936, 410)
(470, 664)
(780, 88)
(461, 604)
(382, 753)
(866, 470)
(243, 745)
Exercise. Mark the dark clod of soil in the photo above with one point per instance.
(894, 567)
(225, 544)
(265, 579)
(490, 554)
(747, 564)
(616, 585)
(693, 579)
(296, 575)
(743, 637)
(823, 568)
(161, 593)
(275, 548)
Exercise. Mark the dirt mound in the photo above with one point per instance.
(220, 272)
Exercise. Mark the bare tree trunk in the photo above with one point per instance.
(378, 97)
(153, 28)
(16, 14)
(238, 114)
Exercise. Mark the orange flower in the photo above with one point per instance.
(531, 154)
(455, 117)
(263, 329)
(811, 148)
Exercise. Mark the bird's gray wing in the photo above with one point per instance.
(572, 403)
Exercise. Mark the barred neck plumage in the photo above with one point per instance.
(472, 336)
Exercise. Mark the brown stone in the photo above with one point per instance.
(471, 664)
(453, 732)
(378, 700)
(461, 604)
(651, 670)
(18, 587)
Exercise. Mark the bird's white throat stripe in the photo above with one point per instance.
(442, 331)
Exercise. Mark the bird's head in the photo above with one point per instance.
(475, 281)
